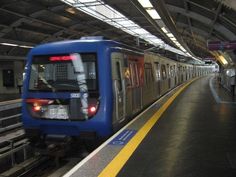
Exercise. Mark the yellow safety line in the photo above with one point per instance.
(113, 168)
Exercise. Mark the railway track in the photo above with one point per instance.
(14, 146)
(18, 158)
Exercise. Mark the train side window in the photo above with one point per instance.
(157, 71)
(163, 72)
(119, 81)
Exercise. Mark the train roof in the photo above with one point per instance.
(77, 42)
(84, 44)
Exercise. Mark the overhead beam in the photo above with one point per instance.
(209, 10)
(161, 8)
(9, 28)
(200, 31)
(61, 29)
(186, 6)
(8, 57)
(39, 21)
(207, 21)
(218, 10)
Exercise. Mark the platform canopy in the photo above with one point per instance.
(177, 29)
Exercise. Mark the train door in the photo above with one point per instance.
(118, 87)
(135, 89)
(148, 83)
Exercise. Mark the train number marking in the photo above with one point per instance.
(75, 95)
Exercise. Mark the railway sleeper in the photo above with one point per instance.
(27, 165)
(10, 120)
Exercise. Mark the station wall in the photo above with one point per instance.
(11, 76)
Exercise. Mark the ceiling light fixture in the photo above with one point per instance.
(223, 60)
(170, 35)
(145, 3)
(164, 30)
(9, 44)
(153, 13)
(15, 45)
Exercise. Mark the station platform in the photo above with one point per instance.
(191, 132)
(8, 97)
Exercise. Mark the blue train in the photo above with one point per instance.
(92, 87)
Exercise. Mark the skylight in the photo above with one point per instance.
(105, 13)
(101, 11)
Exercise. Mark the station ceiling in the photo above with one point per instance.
(194, 22)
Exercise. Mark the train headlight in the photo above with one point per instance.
(37, 108)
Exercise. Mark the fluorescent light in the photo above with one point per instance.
(145, 3)
(173, 39)
(69, 1)
(16, 45)
(170, 35)
(153, 13)
(177, 43)
(9, 44)
(26, 46)
(84, 1)
(188, 54)
(164, 30)
(183, 49)
(223, 60)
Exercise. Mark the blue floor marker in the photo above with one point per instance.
(123, 138)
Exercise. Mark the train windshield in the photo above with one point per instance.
(69, 72)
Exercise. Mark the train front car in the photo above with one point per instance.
(68, 90)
